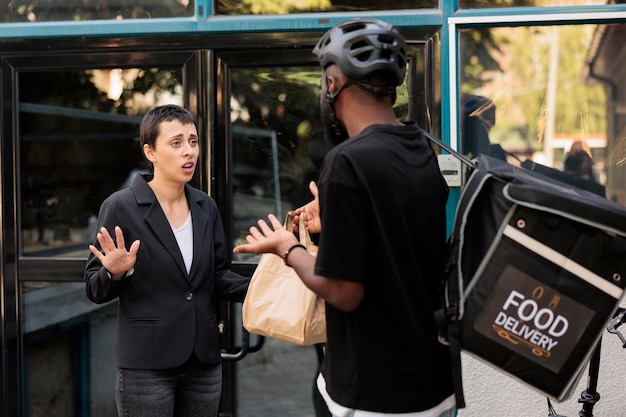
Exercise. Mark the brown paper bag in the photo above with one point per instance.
(279, 305)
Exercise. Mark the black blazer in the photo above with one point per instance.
(165, 314)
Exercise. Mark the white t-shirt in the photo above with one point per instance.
(184, 237)
(340, 411)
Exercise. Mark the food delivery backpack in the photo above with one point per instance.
(536, 268)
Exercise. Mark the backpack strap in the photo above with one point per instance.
(469, 162)
(455, 352)
(448, 317)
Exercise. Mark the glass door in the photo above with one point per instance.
(77, 142)
(275, 150)
(269, 112)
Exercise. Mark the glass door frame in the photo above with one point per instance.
(16, 269)
(424, 91)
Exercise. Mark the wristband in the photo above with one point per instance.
(288, 251)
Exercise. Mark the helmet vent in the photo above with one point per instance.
(362, 50)
(385, 39)
(354, 26)
(386, 54)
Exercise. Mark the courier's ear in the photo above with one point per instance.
(333, 78)
(331, 84)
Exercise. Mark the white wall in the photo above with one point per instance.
(491, 393)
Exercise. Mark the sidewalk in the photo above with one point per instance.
(277, 381)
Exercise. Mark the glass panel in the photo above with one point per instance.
(277, 148)
(469, 4)
(245, 7)
(60, 325)
(69, 344)
(277, 145)
(277, 141)
(79, 142)
(72, 10)
(547, 98)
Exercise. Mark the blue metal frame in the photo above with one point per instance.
(214, 24)
(554, 15)
(449, 98)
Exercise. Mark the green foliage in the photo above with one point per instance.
(68, 10)
(265, 7)
(495, 3)
(278, 99)
(477, 49)
(512, 66)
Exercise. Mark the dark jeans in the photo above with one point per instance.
(191, 390)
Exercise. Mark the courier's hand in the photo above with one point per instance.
(265, 239)
(115, 258)
(309, 213)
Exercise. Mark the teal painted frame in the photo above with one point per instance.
(458, 19)
(432, 18)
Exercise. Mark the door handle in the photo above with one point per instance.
(243, 350)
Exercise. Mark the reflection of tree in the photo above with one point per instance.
(268, 103)
(237, 7)
(283, 101)
(523, 63)
(475, 4)
(59, 10)
(77, 89)
(479, 45)
(77, 144)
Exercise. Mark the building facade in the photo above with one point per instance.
(530, 78)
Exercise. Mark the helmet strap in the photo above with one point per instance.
(330, 98)
(379, 91)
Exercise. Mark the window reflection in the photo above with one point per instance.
(69, 344)
(277, 146)
(79, 142)
(72, 10)
(604, 59)
(277, 141)
(533, 96)
(266, 7)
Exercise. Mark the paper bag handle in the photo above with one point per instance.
(303, 233)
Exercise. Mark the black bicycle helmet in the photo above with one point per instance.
(363, 48)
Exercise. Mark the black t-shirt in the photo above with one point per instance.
(382, 203)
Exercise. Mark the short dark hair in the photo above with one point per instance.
(151, 123)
